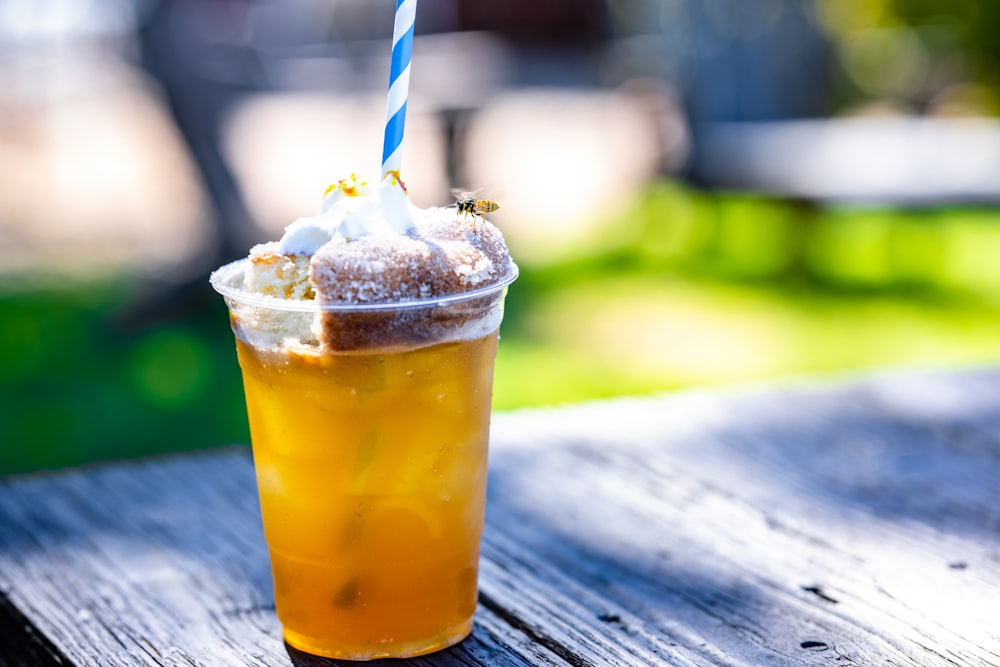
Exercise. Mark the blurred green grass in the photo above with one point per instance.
(698, 288)
(689, 289)
(75, 387)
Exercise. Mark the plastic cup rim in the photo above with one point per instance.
(219, 279)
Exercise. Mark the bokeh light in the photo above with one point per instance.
(171, 367)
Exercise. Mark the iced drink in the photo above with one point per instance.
(367, 337)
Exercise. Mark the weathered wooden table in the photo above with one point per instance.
(854, 522)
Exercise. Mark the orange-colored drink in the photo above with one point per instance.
(371, 467)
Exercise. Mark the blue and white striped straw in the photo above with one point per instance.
(399, 85)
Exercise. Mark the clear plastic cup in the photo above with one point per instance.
(370, 449)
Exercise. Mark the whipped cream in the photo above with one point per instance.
(350, 210)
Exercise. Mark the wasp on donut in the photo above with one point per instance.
(466, 203)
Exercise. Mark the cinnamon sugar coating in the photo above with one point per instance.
(445, 254)
(437, 258)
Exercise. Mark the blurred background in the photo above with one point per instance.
(699, 192)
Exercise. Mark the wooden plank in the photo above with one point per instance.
(849, 523)
(163, 562)
(809, 525)
(112, 566)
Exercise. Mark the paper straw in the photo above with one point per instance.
(399, 85)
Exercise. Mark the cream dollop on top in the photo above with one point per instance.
(351, 209)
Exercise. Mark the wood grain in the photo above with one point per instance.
(852, 522)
